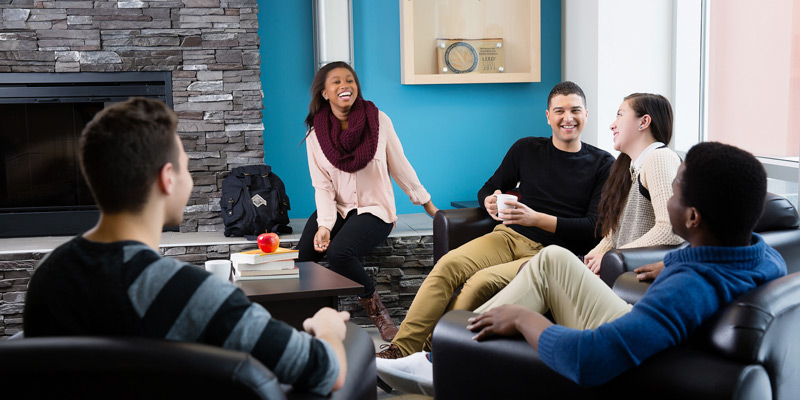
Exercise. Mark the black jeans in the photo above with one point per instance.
(351, 237)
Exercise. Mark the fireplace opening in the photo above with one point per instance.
(42, 190)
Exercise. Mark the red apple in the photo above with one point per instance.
(268, 242)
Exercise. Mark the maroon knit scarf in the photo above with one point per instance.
(352, 149)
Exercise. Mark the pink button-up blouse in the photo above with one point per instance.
(368, 190)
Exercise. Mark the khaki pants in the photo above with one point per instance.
(557, 281)
(484, 266)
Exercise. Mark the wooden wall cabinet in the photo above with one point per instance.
(517, 22)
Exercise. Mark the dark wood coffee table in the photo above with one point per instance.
(292, 300)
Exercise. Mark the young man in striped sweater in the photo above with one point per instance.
(111, 280)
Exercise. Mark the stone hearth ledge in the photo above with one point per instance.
(418, 224)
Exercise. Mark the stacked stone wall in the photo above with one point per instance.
(210, 46)
(15, 273)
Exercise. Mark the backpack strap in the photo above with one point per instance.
(252, 170)
(643, 190)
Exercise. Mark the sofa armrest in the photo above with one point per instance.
(509, 368)
(617, 261)
(690, 372)
(361, 372)
(130, 367)
(786, 242)
(452, 228)
(498, 368)
(778, 214)
(629, 288)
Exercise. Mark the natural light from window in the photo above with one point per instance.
(753, 83)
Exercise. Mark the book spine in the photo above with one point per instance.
(269, 266)
(243, 258)
(290, 271)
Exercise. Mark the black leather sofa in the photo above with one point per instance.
(139, 368)
(747, 351)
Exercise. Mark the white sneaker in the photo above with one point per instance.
(412, 374)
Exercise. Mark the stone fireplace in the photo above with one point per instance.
(210, 47)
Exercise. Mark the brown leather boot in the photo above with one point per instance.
(380, 316)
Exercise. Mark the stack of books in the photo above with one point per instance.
(256, 264)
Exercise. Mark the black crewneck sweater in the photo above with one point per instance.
(563, 184)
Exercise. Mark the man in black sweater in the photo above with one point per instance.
(560, 179)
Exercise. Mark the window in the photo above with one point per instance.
(749, 91)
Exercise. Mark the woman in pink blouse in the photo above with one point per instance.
(352, 152)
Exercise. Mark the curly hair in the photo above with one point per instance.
(727, 185)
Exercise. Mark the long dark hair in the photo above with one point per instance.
(618, 185)
(318, 84)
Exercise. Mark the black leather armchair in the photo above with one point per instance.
(746, 351)
(139, 368)
(452, 228)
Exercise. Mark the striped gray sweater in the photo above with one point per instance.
(128, 289)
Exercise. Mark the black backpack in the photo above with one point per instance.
(254, 201)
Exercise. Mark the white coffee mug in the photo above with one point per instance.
(219, 268)
(501, 202)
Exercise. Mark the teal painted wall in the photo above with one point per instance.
(454, 135)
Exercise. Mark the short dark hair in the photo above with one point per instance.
(123, 148)
(566, 88)
(727, 185)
